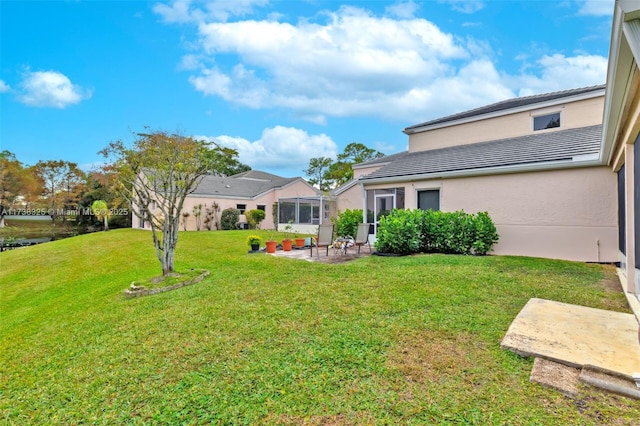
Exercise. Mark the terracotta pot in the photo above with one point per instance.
(286, 245)
(299, 242)
(271, 246)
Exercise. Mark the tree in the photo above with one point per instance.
(63, 183)
(155, 175)
(339, 173)
(356, 153)
(15, 182)
(224, 161)
(316, 171)
(101, 211)
(325, 174)
(197, 214)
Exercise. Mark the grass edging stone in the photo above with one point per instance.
(139, 290)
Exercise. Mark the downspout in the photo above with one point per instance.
(364, 203)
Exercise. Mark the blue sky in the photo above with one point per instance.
(280, 81)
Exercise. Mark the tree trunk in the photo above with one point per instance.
(106, 223)
(169, 241)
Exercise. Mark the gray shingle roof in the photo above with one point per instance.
(508, 104)
(243, 185)
(562, 145)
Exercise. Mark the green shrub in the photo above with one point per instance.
(399, 232)
(229, 218)
(347, 222)
(486, 234)
(254, 217)
(419, 231)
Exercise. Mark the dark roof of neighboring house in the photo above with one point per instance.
(507, 105)
(242, 185)
(546, 147)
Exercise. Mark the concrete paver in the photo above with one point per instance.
(577, 336)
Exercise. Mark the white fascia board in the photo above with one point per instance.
(366, 165)
(534, 167)
(624, 55)
(611, 114)
(529, 107)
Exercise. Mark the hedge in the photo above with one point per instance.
(428, 231)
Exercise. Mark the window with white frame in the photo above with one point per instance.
(547, 121)
(429, 199)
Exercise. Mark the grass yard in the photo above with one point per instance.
(266, 340)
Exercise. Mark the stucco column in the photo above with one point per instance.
(630, 247)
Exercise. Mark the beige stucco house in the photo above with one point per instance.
(559, 173)
(531, 162)
(621, 132)
(248, 191)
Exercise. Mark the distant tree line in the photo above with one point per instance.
(67, 194)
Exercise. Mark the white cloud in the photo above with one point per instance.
(181, 11)
(465, 6)
(596, 7)
(403, 9)
(351, 65)
(559, 72)
(286, 149)
(50, 89)
(350, 62)
(178, 11)
(4, 87)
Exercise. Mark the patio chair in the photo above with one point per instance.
(325, 238)
(362, 237)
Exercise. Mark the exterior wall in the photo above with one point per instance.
(350, 199)
(296, 189)
(562, 214)
(357, 172)
(572, 115)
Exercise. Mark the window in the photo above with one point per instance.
(429, 199)
(548, 121)
(304, 210)
(261, 207)
(141, 223)
(241, 207)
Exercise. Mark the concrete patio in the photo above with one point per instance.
(334, 256)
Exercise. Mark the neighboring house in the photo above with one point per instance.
(621, 133)
(245, 191)
(532, 162)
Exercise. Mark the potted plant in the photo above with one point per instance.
(254, 241)
(300, 242)
(271, 243)
(286, 241)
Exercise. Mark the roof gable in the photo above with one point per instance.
(248, 184)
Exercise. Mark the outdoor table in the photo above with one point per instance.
(343, 245)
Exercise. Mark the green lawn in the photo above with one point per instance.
(268, 340)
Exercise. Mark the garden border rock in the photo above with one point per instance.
(137, 291)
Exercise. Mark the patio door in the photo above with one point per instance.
(384, 203)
